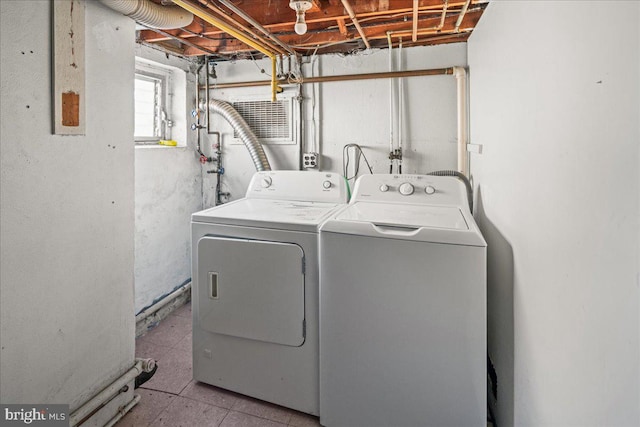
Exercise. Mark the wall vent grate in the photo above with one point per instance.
(268, 120)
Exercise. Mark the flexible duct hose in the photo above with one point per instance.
(463, 178)
(249, 139)
(151, 14)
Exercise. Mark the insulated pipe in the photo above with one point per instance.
(79, 415)
(461, 79)
(352, 15)
(246, 134)
(150, 14)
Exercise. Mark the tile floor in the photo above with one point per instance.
(171, 398)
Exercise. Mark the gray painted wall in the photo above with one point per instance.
(555, 103)
(66, 213)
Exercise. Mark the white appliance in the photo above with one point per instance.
(402, 307)
(255, 287)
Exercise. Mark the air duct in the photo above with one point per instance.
(249, 138)
(150, 14)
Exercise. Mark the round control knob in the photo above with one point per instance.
(326, 184)
(266, 182)
(384, 188)
(429, 189)
(405, 189)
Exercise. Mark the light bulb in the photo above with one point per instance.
(300, 6)
(301, 26)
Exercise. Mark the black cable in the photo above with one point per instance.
(346, 160)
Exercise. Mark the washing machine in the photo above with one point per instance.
(255, 287)
(403, 307)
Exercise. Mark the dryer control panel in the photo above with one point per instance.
(412, 189)
(310, 186)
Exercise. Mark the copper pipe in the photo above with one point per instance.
(343, 77)
(352, 15)
(414, 35)
(239, 26)
(461, 16)
(257, 25)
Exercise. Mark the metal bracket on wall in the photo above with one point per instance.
(474, 148)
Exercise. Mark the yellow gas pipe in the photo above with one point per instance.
(211, 19)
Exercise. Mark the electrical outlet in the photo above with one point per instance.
(310, 160)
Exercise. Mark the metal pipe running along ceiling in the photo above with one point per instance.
(339, 78)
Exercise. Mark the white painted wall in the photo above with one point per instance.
(555, 103)
(354, 112)
(66, 212)
(168, 189)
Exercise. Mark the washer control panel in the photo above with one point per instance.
(427, 189)
(311, 186)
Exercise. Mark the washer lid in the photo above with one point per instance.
(446, 217)
(278, 214)
(417, 222)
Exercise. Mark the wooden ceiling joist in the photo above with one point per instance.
(330, 28)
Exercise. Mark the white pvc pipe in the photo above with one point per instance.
(123, 411)
(461, 79)
(391, 97)
(164, 301)
(400, 100)
(142, 365)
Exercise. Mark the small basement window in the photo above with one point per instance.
(152, 101)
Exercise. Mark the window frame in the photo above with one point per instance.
(162, 103)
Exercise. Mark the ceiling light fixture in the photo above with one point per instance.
(300, 7)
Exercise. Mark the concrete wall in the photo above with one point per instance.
(555, 103)
(354, 112)
(66, 212)
(168, 189)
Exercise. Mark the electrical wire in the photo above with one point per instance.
(346, 160)
(256, 64)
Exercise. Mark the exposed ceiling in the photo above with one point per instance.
(331, 29)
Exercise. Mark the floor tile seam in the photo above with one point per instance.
(225, 417)
(202, 401)
(161, 391)
(258, 416)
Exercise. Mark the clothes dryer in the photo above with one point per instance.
(255, 287)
